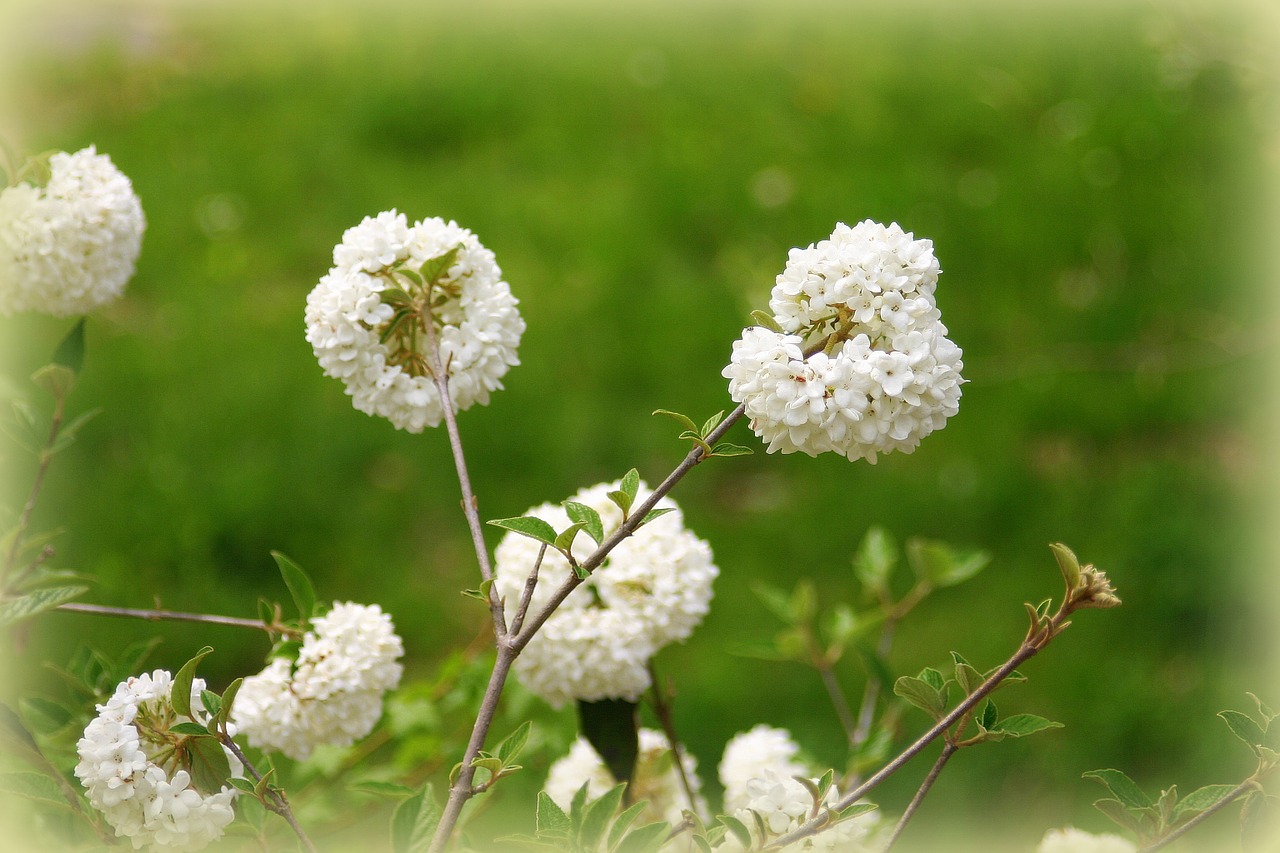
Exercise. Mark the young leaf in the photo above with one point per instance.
(990, 714)
(855, 810)
(623, 823)
(551, 819)
(966, 676)
(1200, 800)
(875, 560)
(587, 517)
(33, 786)
(209, 766)
(414, 822)
(1021, 725)
(1124, 788)
(564, 540)
(622, 500)
(728, 450)
(655, 513)
(920, 693)
(1068, 563)
(513, 743)
(738, 828)
(711, 423)
(630, 484)
(1121, 815)
(56, 379)
(181, 691)
(433, 268)
(646, 839)
(597, 817)
(1244, 727)
(684, 420)
(17, 609)
(534, 528)
(765, 320)
(378, 788)
(70, 352)
(933, 678)
(189, 728)
(44, 715)
(300, 587)
(211, 701)
(609, 725)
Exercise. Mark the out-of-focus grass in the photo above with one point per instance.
(1094, 189)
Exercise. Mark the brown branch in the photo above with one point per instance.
(948, 750)
(1238, 792)
(663, 711)
(279, 802)
(179, 616)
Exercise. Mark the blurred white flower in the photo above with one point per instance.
(1071, 840)
(365, 323)
(652, 590)
(655, 780)
(748, 754)
(133, 776)
(70, 246)
(333, 693)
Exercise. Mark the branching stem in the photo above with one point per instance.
(663, 709)
(948, 749)
(279, 802)
(179, 616)
(46, 456)
(1240, 790)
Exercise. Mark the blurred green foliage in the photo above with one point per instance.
(1093, 184)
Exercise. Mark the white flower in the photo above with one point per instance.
(70, 246)
(655, 779)
(783, 804)
(652, 590)
(1071, 840)
(748, 754)
(131, 774)
(333, 692)
(380, 355)
(889, 378)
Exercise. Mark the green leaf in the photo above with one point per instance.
(34, 786)
(70, 352)
(777, 601)
(922, 694)
(728, 450)
(1021, 725)
(189, 728)
(1263, 710)
(933, 678)
(299, 584)
(513, 743)
(630, 484)
(1121, 815)
(989, 715)
(433, 268)
(875, 560)
(209, 766)
(803, 603)
(1244, 727)
(534, 528)
(1068, 563)
(564, 540)
(379, 788)
(481, 594)
(684, 420)
(551, 819)
(941, 565)
(766, 320)
(576, 805)
(609, 725)
(655, 513)
(211, 701)
(1122, 787)
(966, 676)
(738, 828)
(1200, 800)
(622, 500)
(17, 609)
(56, 379)
(587, 517)
(597, 817)
(414, 822)
(623, 823)
(180, 696)
(68, 432)
(44, 715)
(242, 785)
(856, 810)
(711, 423)
(646, 839)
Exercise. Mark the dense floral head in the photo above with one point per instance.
(138, 772)
(748, 754)
(653, 590)
(368, 318)
(69, 246)
(858, 361)
(332, 694)
(1072, 840)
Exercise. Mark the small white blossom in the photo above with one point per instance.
(653, 589)
(333, 693)
(132, 776)
(357, 336)
(70, 246)
(783, 804)
(655, 780)
(748, 754)
(1071, 840)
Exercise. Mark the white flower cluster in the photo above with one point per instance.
(890, 375)
(333, 693)
(757, 772)
(1072, 840)
(359, 337)
(130, 773)
(653, 590)
(655, 780)
(70, 246)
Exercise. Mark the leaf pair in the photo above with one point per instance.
(701, 436)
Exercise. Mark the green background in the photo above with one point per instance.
(1095, 184)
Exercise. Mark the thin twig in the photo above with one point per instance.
(838, 700)
(1030, 646)
(663, 710)
(470, 506)
(871, 693)
(279, 802)
(1235, 794)
(178, 616)
(948, 750)
(46, 456)
(527, 595)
